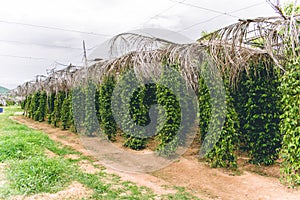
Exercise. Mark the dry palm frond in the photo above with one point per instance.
(189, 57)
(125, 43)
(147, 64)
(277, 8)
(272, 35)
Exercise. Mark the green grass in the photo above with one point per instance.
(182, 194)
(16, 148)
(30, 171)
(39, 174)
(19, 142)
(115, 188)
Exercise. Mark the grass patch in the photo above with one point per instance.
(39, 174)
(22, 143)
(15, 148)
(182, 194)
(114, 188)
(29, 170)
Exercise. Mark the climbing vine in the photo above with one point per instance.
(104, 111)
(176, 111)
(258, 104)
(290, 123)
(34, 105)
(66, 112)
(91, 123)
(218, 117)
(41, 110)
(59, 98)
(170, 133)
(129, 106)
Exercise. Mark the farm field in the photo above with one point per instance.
(80, 176)
(33, 166)
(149, 113)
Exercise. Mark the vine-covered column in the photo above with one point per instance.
(290, 124)
(257, 102)
(218, 117)
(105, 115)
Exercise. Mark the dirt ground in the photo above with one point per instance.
(187, 171)
(74, 191)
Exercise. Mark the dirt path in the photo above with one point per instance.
(188, 172)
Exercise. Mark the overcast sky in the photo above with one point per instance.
(29, 44)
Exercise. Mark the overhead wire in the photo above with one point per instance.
(30, 57)
(217, 16)
(22, 57)
(204, 8)
(46, 45)
(38, 58)
(54, 28)
(36, 44)
(163, 11)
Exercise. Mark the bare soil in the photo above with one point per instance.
(87, 167)
(252, 183)
(50, 154)
(74, 191)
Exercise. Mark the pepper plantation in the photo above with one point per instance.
(257, 61)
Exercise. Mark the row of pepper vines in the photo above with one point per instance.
(258, 103)
(86, 109)
(261, 114)
(259, 125)
(252, 116)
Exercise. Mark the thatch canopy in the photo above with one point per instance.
(230, 48)
(236, 43)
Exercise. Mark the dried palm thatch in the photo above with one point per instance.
(129, 42)
(24, 89)
(60, 80)
(230, 48)
(56, 80)
(235, 44)
(127, 50)
(147, 63)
